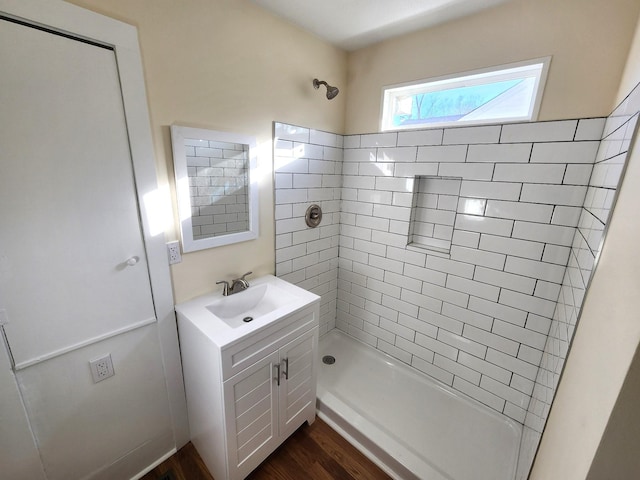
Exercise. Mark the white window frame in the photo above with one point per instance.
(465, 79)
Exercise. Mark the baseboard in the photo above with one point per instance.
(142, 473)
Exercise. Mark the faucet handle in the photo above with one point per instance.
(243, 284)
(243, 281)
(225, 289)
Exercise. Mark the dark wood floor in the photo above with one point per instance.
(313, 452)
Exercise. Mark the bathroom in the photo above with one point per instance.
(193, 79)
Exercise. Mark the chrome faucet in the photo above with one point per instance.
(225, 289)
(237, 285)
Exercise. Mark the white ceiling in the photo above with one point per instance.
(352, 24)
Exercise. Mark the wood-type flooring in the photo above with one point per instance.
(313, 452)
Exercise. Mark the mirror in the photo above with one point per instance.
(216, 186)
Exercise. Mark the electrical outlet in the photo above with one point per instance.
(173, 249)
(101, 368)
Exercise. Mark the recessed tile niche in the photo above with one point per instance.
(433, 212)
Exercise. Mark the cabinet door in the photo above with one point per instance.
(297, 395)
(68, 205)
(250, 398)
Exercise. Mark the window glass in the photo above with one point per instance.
(509, 93)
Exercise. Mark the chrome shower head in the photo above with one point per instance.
(332, 92)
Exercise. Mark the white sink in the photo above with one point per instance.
(244, 307)
(267, 300)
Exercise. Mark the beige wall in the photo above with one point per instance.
(588, 40)
(631, 73)
(617, 455)
(605, 340)
(228, 65)
(225, 64)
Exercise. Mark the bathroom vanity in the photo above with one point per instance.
(249, 383)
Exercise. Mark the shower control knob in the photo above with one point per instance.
(313, 216)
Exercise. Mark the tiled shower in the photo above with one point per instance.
(620, 128)
(492, 314)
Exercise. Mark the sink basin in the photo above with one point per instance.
(240, 308)
(222, 319)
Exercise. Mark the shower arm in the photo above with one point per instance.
(332, 92)
(317, 83)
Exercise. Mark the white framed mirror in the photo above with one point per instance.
(216, 186)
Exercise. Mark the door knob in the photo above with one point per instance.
(132, 261)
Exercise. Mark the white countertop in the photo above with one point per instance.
(221, 333)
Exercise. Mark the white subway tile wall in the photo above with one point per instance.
(308, 170)
(618, 130)
(471, 317)
(462, 316)
(482, 318)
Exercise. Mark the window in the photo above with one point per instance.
(506, 94)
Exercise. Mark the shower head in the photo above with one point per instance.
(332, 92)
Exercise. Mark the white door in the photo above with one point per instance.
(250, 400)
(78, 158)
(73, 268)
(297, 393)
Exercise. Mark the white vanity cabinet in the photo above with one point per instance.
(248, 391)
(268, 401)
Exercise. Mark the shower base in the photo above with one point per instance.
(413, 427)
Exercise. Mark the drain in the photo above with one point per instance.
(247, 319)
(329, 359)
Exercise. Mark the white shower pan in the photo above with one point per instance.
(411, 426)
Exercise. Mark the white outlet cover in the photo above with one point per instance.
(101, 368)
(173, 250)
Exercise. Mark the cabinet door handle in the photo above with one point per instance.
(277, 367)
(286, 365)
